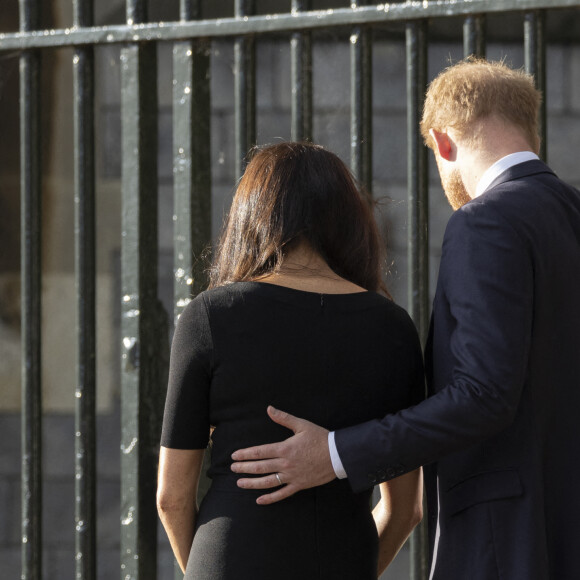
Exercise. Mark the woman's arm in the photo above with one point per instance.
(399, 510)
(179, 471)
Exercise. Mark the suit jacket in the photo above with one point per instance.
(500, 431)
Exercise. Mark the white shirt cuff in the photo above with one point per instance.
(335, 457)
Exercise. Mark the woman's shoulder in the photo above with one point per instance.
(389, 307)
(390, 319)
(225, 294)
(220, 298)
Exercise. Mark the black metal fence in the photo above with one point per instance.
(144, 325)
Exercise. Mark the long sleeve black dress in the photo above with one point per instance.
(334, 359)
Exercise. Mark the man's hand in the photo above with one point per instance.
(299, 462)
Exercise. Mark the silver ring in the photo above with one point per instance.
(278, 478)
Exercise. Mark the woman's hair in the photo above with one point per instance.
(474, 89)
(292, 193)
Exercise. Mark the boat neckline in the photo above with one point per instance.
(298, 290)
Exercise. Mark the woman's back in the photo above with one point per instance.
(334, 359)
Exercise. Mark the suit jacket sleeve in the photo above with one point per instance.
(485, 291)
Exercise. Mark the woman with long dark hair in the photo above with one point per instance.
(296, 316)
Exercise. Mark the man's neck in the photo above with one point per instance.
(495, 140)
(501, 165)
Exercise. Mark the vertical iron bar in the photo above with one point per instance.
(474, 28)
(245, 89)
(143, 324)
(418, 234)
(85, 430)
(191, 163)
(535, 64)
(361, 103)
(418, 240)
(301, 72)
(189, 10)
(136, 12)
(31, 212)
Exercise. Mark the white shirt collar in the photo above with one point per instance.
(500, 166)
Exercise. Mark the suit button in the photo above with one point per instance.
(381, 474)
(372, 478)
(391, 473)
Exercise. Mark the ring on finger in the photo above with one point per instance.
(278, 478)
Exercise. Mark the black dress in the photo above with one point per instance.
(334, 359)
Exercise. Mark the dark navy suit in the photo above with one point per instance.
(500, 432)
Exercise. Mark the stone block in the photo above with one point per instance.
(511, 53)
(165, 145)
(282, 85)
(59, 445)
(223, 148)
(10, 459)
(58, 512)
(108, 235)
(332, 130)
(390, 148)
(60, 136)
(108, 564)
(273, 126)
(108, 131)
(556, 81)
(331, 76)
(108, 513)
(389, 81)
(108, 73)
(165, 216)
(165, 73)
(266, 74)
(10, 562)
(10, 520)
(222, 75)
(442, 55)
(59, 563)
(564, 139)
(108, 438)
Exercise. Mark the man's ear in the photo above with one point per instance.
(444, 144)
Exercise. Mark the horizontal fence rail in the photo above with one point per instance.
(144, 329)
(291, 22)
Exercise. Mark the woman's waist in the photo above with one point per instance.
(227, 483)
